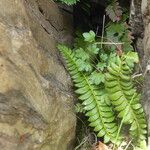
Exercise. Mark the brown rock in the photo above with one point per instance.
(36, 106)
(146, 61)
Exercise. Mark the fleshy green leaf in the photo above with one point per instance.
(93, 48)
(97, 78)
(89, 36)
(104, 57)
(81, 54)
(101, 66)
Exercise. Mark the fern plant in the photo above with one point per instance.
(124, 98)
(101, 70)
(101, 116)
(105, 88)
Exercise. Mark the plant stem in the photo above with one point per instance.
(109, 43)
(82, 142)
(128, 145)
(103, 30)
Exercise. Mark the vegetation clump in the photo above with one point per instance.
(101, 69)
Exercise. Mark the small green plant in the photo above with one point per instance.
(101, 70)
(103, 82)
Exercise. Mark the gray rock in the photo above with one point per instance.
(36, 105)
(146, 60)
(137, 26)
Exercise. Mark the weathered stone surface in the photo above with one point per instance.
(140, 27)
(136, 25)
(35, 101)
(146, 60)
(146, 16)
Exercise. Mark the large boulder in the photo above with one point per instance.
(36, 105)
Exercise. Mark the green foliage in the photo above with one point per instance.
(124, 97)
(117, 30)
(68, 2)
(101, 116)
(101, 70)
(104, 86)
(89, 37)
(114, 11)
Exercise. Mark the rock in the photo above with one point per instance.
(140, 27)
(36, 104)
(146, 60)
(137, 26)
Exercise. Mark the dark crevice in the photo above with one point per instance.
(41, 10)
(88, 15)
(52, 25)
(66, 10)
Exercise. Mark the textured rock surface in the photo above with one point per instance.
(36, 107)
(140, 21)
(136, 24)
(146, 94)
(146, 17)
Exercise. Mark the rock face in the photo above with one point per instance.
(140, 27)
(136, 25)
(146, 43)
(36, 106)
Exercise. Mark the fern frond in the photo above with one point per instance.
(101, 116)
(125, 99)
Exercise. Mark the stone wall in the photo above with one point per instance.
(36, 106)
